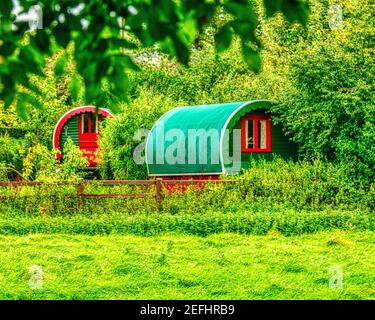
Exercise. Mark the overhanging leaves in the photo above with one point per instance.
(293, 10)
(60, 65)
(96, 38)
(223, 38)
(75, 87)
(251, 58)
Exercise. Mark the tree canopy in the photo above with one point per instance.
(95, 30)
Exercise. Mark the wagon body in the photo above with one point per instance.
(212, 140)
(82, 125)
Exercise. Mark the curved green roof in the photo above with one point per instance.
(189, 140)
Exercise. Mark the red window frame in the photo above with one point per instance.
(256, 119)
(90, 117)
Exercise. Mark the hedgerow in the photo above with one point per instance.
(286, 221)
(303, 185)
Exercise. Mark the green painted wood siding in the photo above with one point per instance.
(70, 129)
(280, 144)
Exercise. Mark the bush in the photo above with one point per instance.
(40, 164)
(286, 222)
(303, 185)
(325, 92)
(266, 186)
(11, 153)
(73, 162)
(118, 140)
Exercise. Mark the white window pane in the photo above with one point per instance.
(262, 133)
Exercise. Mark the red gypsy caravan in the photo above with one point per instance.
(82, 126)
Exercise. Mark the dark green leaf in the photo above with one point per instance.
(102, 69)
(293, 10)
(22, 27)
(41, 41)
(30, 100)
(75, 87)
(122, 43)
(167, 47)
(127, 62)
(7, 48)
(251, 58)
(188, 30)
(8, 97)
(92, 91)
(246, 30)
(272, 6)
(102, 46)
(120, 82)
(242, 11)
(115, 106)
(21, 109)
(296, 11)
(182, 51)
(32, 60)
(6, 7)
(62, 34)
(223, 38)
(89, 71)
(19, 74)
(60, 66)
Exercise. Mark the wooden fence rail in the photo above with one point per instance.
(157, 194)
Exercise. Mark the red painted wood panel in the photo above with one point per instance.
(183, 188)
(87, 141)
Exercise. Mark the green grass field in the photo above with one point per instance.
(195, 248)
(219, 266)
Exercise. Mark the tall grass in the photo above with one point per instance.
(302, 185)
(285, 221)
(292, 198)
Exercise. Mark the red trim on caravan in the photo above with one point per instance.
(65, 118)
(256, 148)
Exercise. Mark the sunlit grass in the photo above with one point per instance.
(220, 266)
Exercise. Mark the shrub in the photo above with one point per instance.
(73, 162)
(41, 164)
(266, 186)
(11, 153)
(118, 140)
(286, 222)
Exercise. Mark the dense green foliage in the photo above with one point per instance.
(10, 157)
(328, 104)
(40, 164)
(255, 221)
(94, 29)
(280, 184)
(34, 161)
(120, 138)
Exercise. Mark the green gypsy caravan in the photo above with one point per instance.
(211, 140)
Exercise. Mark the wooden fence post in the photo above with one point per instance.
(80, 189)
(159, 195)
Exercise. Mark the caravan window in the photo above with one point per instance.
(256, 133)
